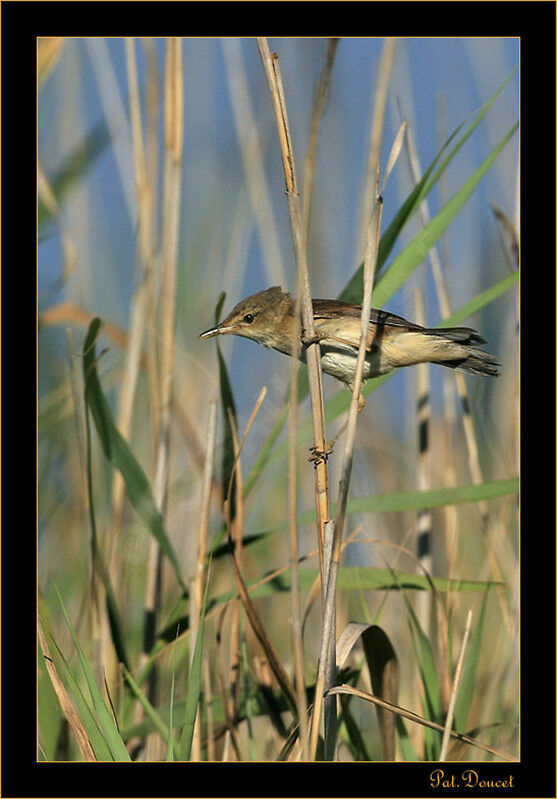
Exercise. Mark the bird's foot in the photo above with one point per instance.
(319, 456)
(307, 340)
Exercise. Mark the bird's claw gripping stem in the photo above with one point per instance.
(319, 456)
(307, 340)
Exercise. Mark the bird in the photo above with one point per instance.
(392, 341)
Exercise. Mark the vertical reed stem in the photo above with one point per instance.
(313, 352)
(170, 237)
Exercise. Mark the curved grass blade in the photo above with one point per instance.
(119, 454)
(228, 409)
(383, 666)
(353, 290)
(480, 300)
(406, 262)
(115, 624)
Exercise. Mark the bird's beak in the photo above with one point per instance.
(215, 331)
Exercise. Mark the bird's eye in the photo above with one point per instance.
(248, 318)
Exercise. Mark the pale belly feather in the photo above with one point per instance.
(338, 362)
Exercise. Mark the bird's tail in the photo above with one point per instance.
(466, 356)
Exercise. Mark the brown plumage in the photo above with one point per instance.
(393, 342)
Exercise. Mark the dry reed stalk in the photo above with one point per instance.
(251, 150)
(316, 587)
(450, 515)
(196, 597)
(467, 421)
(454, 690)
(151, 171)
(428, 602)
(376, 136)
(170, 236)
(423, 520)
(313, 351)
(411, 716)
(152, 115)
(295, 600)
(142, 296)
(317, 111)
(272, 71)
(327, 651)
(145, 168)
(371, 228)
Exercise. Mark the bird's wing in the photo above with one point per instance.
(381, 323)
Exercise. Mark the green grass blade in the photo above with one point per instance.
(468, 680)
(104, 716)
(406, 262)
(99, 565)
(100, 747)
(156, 720)
(406, 746)
(430, 681)
(417, 500)
(354, 289)
(480, 300)
(229, 418)
(228, 409)
(118, 452)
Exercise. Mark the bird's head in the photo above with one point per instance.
(264, 317)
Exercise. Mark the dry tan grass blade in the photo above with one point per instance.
(65, 702)
(408, 714)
